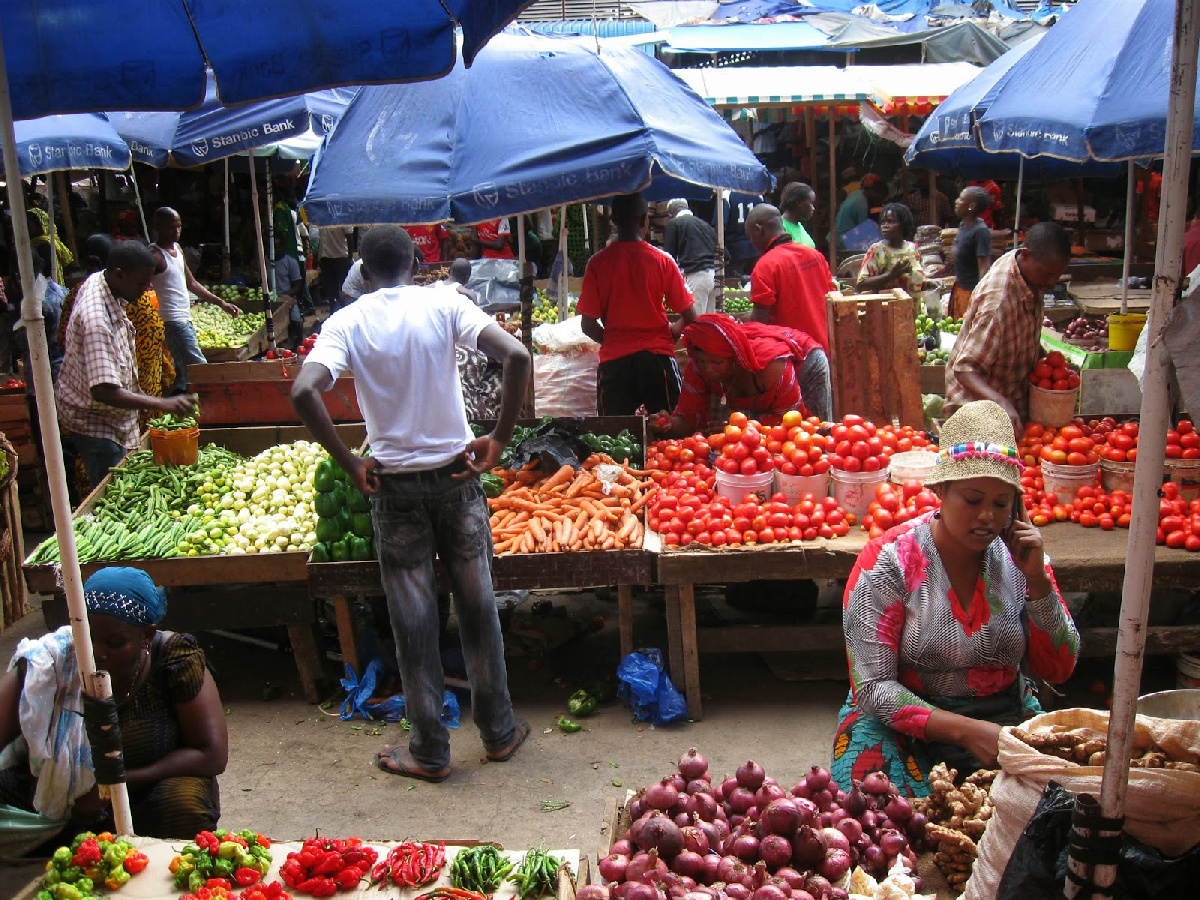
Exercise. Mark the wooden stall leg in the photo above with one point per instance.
(625, 617)
(674, 638)
(343, 611)
(691, 653)
(308, 659)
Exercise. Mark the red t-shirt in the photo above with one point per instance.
(629, 285)
(793, 280)
(489, 231)
(428, 239)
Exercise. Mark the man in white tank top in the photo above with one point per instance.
(172, 281)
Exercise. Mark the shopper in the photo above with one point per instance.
(1000, 340)
(797, 204)
(422, 478)
(972, 247)
(333, 260)
(943, 613)
(627, 289)
(693, 242)
(492, 238)
(894, 261)
(172, 282)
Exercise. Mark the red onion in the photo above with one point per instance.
(873, 859)
(687, 883)
(750, 775)
(644, 864)
(807, 809)
(737, 891)
(621, 888)
(593, 892)
(808, 848)
(613, 867)
(677, 781)
(731, 870)
(886, 824)
(892, 843)
(736, 820)
(837, 814)
(899, 809)
(709, 873)
(851, 828)
(818, 886)
(758, 875)
(698, 786)
(876, 783)
(704, 806)
(825, 819)
(769, 791)
(660, 833)
(685, 804)
(700, 893)
(689, 863)
(781, 816)
(834, 840)
(641, 891)
(637, 808)
(776, 851)
(662, 795)
(837, 893)
(915, 827)
(824, 800)
(745, 847)
(726, 787)
(711, 838)
(741, 799)
(770, 892)
(682, 819)
(869, 819)
(694, 840)
(855, 802)
(835, 864)
(622, 847)
(817, 779)
(802, 895)
(752, 814)
(802, 789)
(692, 764)
(791, 877)
(722, 827)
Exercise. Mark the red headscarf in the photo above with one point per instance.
(753, 345)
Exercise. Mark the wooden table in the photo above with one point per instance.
(259, 393)
(1084, 559)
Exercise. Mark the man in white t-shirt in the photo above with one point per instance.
(422, 477)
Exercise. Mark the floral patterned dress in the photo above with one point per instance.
(882, 256)
(913, 647)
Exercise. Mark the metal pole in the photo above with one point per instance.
(1017, 211)
(226, 202)
(262, 259)
(1130, 195)
(53, 234)
(562, 272)
(137, 196)
(719, 254)
(1139, 571)
(833, 235)
(39, 354)
(526, 295)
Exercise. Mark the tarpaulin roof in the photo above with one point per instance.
(766, 36)
(749, 10)
(76, 141)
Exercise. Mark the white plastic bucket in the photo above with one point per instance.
(854, 491)
(735, 487)
(1187, 670)
(911, 464)
(1186, 474)
(796, 486)
(1053, 408)
(1065, 481)
(1116, 476)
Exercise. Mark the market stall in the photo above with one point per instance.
(258, 392)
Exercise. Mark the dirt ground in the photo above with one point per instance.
(295, 767)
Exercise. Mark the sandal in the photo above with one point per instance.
(398, 760)
(506, 753)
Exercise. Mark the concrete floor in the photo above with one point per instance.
(295, 768)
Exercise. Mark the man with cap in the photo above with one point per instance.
(943, 614)
(693, 242)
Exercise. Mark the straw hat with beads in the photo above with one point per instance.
(977, 441)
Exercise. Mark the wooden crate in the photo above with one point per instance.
(13, 604)
(259, 393)
(256, 343)
(933, 380)
(16, 423)
(873, 361)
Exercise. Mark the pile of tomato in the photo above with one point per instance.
(1076, 444)
(1052, 373)
(1178, 520)
(896, 504)
(688, 455)
(859, 446)
(745, 447)
(1183, 441)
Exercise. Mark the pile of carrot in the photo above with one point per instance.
(569, 510)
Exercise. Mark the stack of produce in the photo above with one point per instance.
(1053, 373)
(232, 293)
(622, 447)
(232, 857)
(545, 308)
(749, 838)
(737, 303)
(1090, 333)
(323, 866)
(957, 817)
(410, 864)
(929, 342)
(344, 528)
(217, 328)
(92, 863)
(858, 445)
(1088, 746)
(897, 504)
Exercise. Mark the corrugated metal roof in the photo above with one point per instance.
(558, 10)
(605, 27)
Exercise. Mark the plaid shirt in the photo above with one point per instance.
(1000, 337)
(99, 349)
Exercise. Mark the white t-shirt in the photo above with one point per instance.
(354, 286)
(399, 345)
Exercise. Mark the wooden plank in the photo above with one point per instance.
(933, 380)
(308, 659)
(1160, 640)
(608, 831)
(772, 638)
(625, 618)
(906, 367)
(674, 637)
(343, 611)
(691, 654)
(874, 361)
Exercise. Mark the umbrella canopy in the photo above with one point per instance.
(1095, 87)
(214, 131)
(537, 121)
(79, 141)
(88, 55)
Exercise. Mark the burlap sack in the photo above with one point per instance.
(1162, 807)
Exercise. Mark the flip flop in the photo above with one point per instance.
(403, 764)
(522, 732)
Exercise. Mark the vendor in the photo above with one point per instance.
(762, 370)
(999, 343)
(942, 613)
(172, 721)
(797, 204)
(894, 261)
(972, 246)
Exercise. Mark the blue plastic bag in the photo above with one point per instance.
(359, 693)
(647, 687)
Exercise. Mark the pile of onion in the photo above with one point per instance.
(748, 838)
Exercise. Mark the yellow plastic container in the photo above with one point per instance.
(1123, 330)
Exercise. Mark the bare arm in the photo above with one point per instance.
(113, 395)
(206, 295)
(686, 318)
(204, 740)
(483, 452)
(979, 389)
(985, 263)
(314, 379)
(592, 328)
(980, 737)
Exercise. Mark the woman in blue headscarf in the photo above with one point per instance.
(172, 722)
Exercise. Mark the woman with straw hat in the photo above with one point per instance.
(941, 614)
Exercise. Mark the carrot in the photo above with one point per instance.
(640, 502)
(581, 481)
(628, 523)
(561, 477)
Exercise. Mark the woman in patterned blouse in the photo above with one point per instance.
(942, 612)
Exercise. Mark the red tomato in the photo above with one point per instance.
(1176, 539)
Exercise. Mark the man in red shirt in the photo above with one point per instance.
(493, 239)
(429, 239)
(627, 289)
(789, 281)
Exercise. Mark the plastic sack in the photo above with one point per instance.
(496, 283)
(22, 831)
(646, 687)
(563, 337)
(565, 384)
(359, 693)
(1037, 869)
(1162, 808)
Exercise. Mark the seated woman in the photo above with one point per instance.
(762, 370)
(894, 261)
(172, 721)
(941, 613)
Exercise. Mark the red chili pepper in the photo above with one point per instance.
(245, 876)
(349, 878)
(206, 840)
(329, 863)
(219, 884)
(136, 862)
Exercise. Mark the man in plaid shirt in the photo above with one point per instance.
(999, 343)
(97, 391)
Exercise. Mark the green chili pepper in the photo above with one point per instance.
(566, 725)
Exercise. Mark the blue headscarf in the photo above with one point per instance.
(127, 594)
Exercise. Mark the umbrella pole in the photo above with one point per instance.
(262, 260)
(31, 314)
(562, 271)
(1017, 210)
(526, 282)
(225, 203)
(137, 196)
(719, 255)
(64, 191)
(1131, 643)
(933, 207)
(833, 204)
(53, 231)
(1130, 194)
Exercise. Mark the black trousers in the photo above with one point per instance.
(640, 379)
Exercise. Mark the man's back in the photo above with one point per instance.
(691, 241)
(793, 280)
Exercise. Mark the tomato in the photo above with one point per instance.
(1174, 451)
(1192, 542)
(1185, 427)
(738, 419)
(1055, 359)
(1042, 370)
(751, 437)
(792, 418)
(1087, 519)
(733, 433)
(1176, 539)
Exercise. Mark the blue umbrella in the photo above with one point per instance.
(214, 131)
(79, 141)
(90, 55)
(537, 121)
(1094, 88)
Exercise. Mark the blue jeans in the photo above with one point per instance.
(185, 350)
(98, 455)
(413, 521)
(815, 388)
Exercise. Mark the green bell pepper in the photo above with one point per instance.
(329, 530)
(339, 551)
(326, 504)
(360, 548)
(360, 524)
(357, 501)
(581, 704)
(566, 725)
(325, 478)
(320, 553)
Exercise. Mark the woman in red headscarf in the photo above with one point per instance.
(762, 370)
